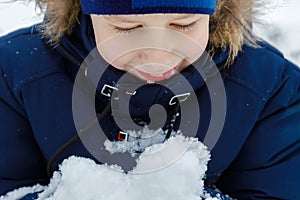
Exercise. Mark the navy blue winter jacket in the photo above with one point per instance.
(256, 157)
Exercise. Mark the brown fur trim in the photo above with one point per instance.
(230, 26)
(61, 17)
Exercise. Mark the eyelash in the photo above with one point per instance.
(124, 30)
(183, 28)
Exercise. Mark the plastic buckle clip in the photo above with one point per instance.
(130, 92)
(180, 97)
(107, 90)
(122, 136)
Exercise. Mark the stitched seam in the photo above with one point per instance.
(11, 36)
(35, 77)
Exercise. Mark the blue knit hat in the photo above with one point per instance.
(111, 7)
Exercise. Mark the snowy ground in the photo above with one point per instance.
(282, 28)
(15, 15)
(282, 24)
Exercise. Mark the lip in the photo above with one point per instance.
(151, 77)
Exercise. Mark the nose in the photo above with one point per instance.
(158, 56)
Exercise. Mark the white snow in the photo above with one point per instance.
(19, 193)
(281, 28)
(15, 15)
(182, 178)
(137, 140)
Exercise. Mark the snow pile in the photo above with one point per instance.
(172, 170)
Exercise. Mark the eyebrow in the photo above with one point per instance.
(127, 19)
(181, 16)
(118, 18)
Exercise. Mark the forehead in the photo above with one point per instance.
(147, 16)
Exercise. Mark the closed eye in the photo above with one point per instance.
(184, 27)
(180, 27)
(126, 31)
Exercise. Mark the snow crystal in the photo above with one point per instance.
(19, 193)
(137, 141)
(81, 178)
(207, 196)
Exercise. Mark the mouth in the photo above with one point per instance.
(156, 77)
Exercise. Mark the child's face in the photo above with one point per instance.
(151, 64)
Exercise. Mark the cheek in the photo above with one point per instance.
(108, 49)
(200, 36)
(123, 62)
(100, 34)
